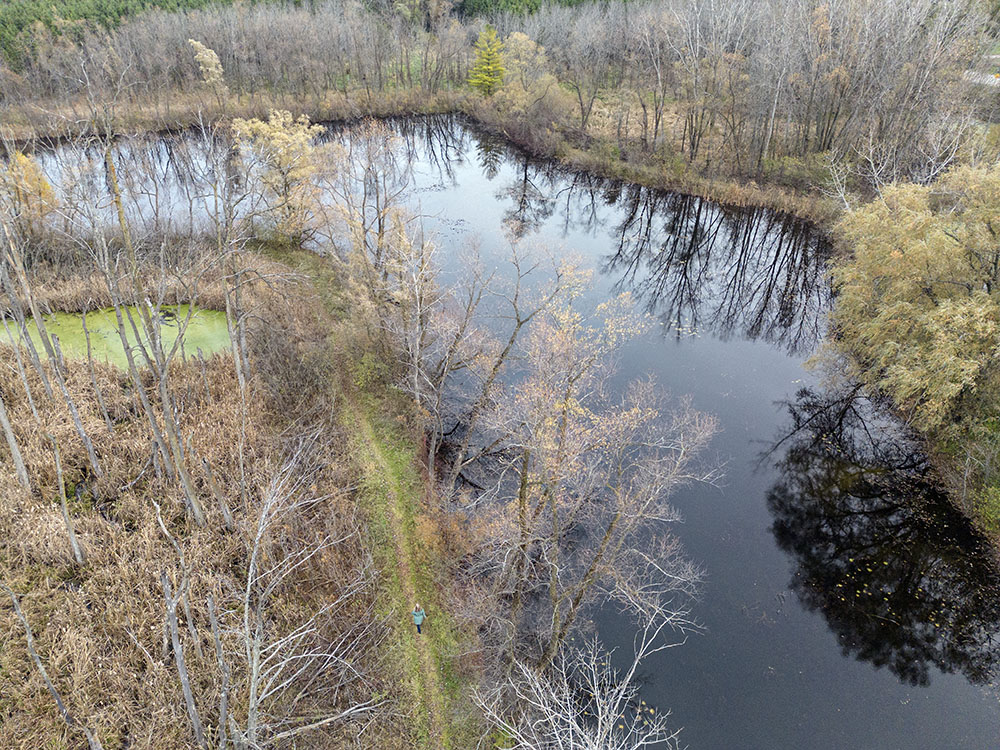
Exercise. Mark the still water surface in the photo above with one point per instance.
(839, 613)
(846, 606)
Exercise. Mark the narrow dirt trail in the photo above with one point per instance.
(392, 490)
(400, 503)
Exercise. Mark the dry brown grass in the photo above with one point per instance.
(61, 283)
(99, 627)
(177, 110)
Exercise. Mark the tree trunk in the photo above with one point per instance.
(78, 554)
(15, 451)
(175, 640)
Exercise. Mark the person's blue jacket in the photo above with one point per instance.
(418, 616)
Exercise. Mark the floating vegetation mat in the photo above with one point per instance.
(205, 331)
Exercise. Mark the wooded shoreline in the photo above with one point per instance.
(229, 546)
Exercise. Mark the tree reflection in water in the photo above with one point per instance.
(899, 575)
(737, 272)
(698, 266)
(530, 205)
(490, 155)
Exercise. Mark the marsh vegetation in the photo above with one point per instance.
(213, 538)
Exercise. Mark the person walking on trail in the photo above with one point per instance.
(418, 616)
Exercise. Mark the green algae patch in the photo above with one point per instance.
(205, 331)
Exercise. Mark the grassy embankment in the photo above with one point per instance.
(81, 626)
(405, 531)
(596, 153)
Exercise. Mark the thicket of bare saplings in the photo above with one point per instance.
(777, 90)
(182, 558)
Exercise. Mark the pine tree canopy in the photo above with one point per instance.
(488, 72)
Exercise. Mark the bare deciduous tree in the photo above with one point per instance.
(582, 701)
(291, 676)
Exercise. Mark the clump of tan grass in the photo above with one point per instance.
(99, 627)
(67, 288)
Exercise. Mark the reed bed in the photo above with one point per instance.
(99, 627)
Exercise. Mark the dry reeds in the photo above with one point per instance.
(99, 626)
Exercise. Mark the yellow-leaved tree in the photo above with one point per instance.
(211, 71)
(284, 158)
(529, 99)
(917, 301)
(918, 307)
(27, 193)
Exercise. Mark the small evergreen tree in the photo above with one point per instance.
(488, 72)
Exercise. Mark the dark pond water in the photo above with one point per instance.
(846, 605)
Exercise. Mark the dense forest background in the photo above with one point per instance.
(19, 18)
(778, 92)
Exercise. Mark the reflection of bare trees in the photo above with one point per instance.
(735, 272)
(530, 204)
(437, 143)
(697, 265)
(898, 574)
